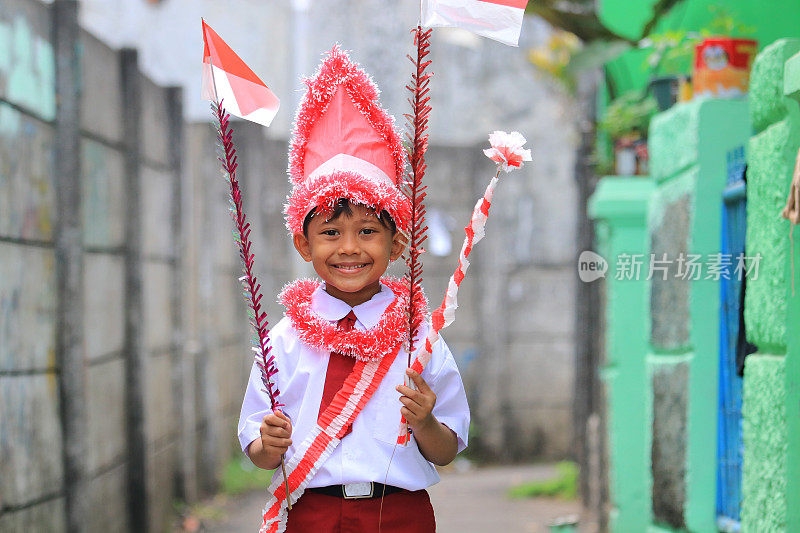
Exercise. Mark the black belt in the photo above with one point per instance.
(357, 491)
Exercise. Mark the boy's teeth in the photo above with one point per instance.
(353, 267)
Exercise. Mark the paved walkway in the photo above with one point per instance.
(469, 501)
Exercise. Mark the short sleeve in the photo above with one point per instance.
(255, 407)
(451, 407)
(256, 404)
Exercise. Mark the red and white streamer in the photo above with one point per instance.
(323, 439)
(446, 313)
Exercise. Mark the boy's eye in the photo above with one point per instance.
(368, 231)
(330, 232)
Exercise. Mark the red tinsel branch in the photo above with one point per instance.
(250, 284)
(414, 189)
(252, 288)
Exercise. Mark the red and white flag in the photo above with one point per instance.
(227, 78)
(500, 20)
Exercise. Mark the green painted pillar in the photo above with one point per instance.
(619, 207)
(792, 90)
(689, 146)
(771, 316)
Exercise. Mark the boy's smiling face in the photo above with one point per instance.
(350, 253)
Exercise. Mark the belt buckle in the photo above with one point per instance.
(357, 491)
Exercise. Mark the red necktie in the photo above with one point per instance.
(339, 367)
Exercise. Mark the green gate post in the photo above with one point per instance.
(619, 207)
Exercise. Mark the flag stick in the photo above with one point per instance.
(250, 284)
(414, 188)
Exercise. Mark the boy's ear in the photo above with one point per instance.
(302, 246)
(398, 245)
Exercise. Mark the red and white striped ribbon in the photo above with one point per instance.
(446, 313)
(323, 439)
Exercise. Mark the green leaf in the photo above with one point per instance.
(627, 113)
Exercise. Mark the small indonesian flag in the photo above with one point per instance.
(227, 79)
(500, 20)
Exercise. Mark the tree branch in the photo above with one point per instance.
(580, 18)
(660, 10)
(586, 26)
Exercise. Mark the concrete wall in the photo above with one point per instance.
(30, 429)
(154, 368)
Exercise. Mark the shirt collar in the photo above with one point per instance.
(368, 314)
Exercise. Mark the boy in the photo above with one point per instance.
(340, 349)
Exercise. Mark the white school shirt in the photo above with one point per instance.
(364, 453)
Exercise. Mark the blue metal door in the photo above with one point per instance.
(729, 440)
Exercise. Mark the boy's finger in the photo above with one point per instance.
(278, 432)
(408, 391)
(406, 412)
(410, 404)
(273, 419)
(276, 441)
(280, 414)
(418, 381)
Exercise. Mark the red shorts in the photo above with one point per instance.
(403, 512)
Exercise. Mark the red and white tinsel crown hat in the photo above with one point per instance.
(344, 145)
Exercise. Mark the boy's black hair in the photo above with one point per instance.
(343, 206)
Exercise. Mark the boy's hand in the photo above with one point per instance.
(417, 404)
(276, 433)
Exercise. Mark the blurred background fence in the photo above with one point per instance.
(120, 370)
